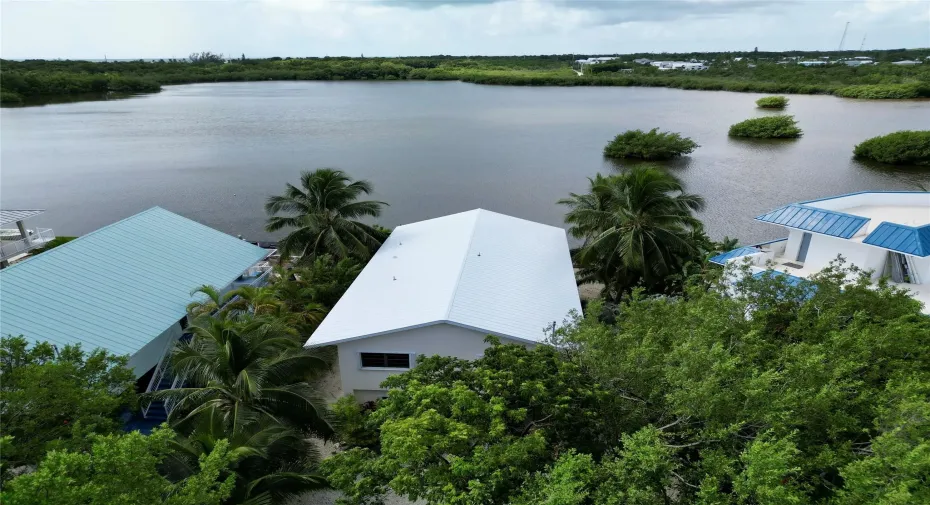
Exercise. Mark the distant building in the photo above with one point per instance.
(440, 287)
(857, 62)
(812, 63)
(642, 61)
(15, 244)
(678, 65)
(596, 60)
(906, 62)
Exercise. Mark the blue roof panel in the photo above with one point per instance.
(827, 222)
(121, 286)
(792, 280)
(901, 238)
(721, 259)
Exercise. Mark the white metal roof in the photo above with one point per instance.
(11, 216)
(478, 269)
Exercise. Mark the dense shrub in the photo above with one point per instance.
(885, 91)
(904, 147)
(772, 102)
(651, 145)
(773, 127)
(10, 97)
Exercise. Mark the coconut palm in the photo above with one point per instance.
(247, 369)
(211, 300)
(272, 461)
(636, 226)
(323, 216)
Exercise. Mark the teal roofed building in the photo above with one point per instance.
(125, 287)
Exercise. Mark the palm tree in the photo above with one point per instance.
(272, 461)
(323, 214)
(636, 226)
(247, 369)
(211, 301)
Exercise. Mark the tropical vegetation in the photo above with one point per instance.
(772, 102)
(245, 424)
(52, 398)
(637, 228)
(886, 91)
(651, 145)
(771, 127)
(32, 81)
(762, 393)
(900, 148)
(323, 217)
(125, 469)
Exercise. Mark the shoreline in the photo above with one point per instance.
(488, 80)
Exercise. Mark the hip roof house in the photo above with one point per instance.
(125, 287)
(441, 286)
(886, 232)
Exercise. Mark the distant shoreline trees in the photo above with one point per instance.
(32, 81)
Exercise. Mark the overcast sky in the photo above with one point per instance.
(262, 28)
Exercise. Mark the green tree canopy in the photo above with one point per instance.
(122, 469)
(637, 226)
(766, 392)
(47, 396)
(323, 215)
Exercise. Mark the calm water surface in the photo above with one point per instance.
(214, 152)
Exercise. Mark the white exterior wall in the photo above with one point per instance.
(891, 198)
(923, 268)
(793, 244)
(824, 249)
(443, 339)
(148, 356)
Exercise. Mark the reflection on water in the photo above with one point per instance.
(73, 98)
(214, 152)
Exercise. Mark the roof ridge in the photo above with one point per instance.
(81, 237)
(458, 279)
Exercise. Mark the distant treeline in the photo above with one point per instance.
(24, 81)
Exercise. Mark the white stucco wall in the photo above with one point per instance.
(148, 356)
(824, 249)
(923, 268)
(442, 339)
(793, 244)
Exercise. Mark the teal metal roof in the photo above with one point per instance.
(121, 286)
(813, 219)
(901, 238)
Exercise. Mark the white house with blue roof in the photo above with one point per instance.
(885, 232)
(125, 287)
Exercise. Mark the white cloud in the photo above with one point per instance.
(152, 29)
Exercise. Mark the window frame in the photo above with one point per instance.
(410, 361)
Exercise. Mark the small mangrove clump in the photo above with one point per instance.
(773, 127)
(900, 148)
(772, 102)
(651, 145)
